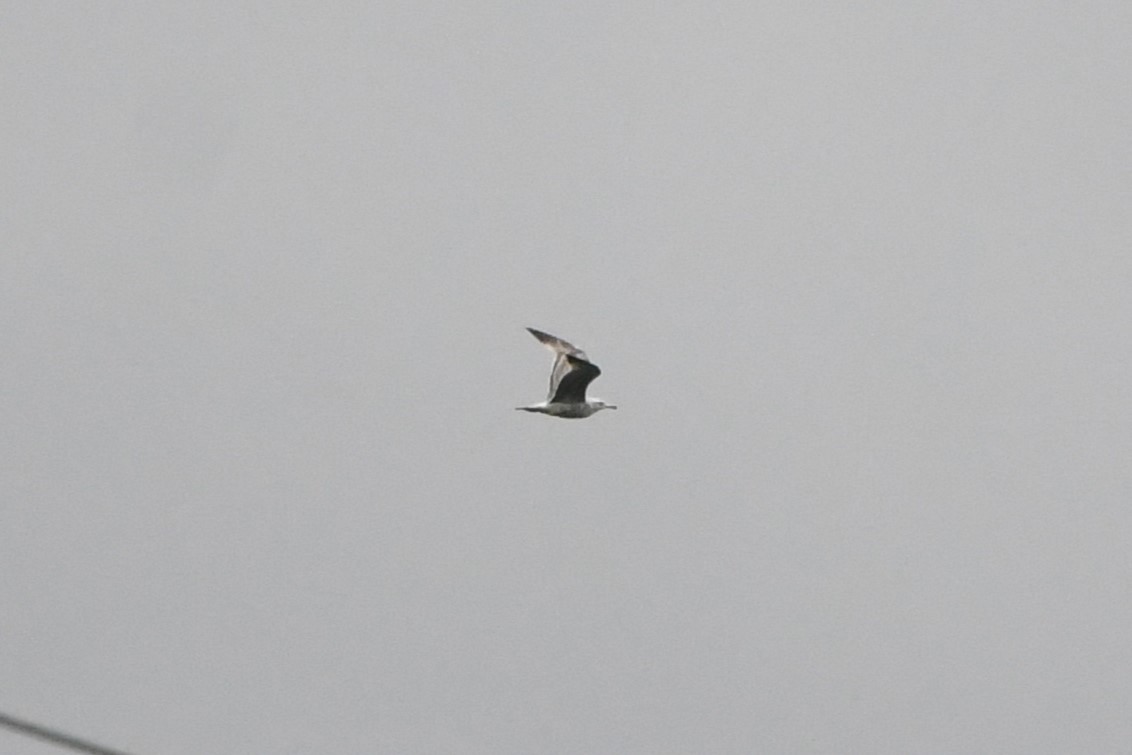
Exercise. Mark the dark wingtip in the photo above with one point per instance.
(579, 362)
(542, 336)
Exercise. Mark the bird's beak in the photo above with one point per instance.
(610, 406)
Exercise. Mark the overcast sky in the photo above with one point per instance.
(858, 277)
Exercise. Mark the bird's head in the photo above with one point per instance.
(599, 405)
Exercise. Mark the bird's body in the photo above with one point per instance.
(571, 374)
(565, 411)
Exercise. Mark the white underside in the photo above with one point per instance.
(566, 411)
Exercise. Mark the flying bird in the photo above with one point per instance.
(571, 373)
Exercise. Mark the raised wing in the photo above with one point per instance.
(562, 366)
(571, 386)
(555, 344)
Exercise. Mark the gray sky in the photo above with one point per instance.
(858, 279)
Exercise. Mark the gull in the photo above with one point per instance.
(572, 372)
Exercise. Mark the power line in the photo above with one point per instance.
(56, 737)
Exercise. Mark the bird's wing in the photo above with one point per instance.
(562, 367)
(571, 384)
(555, 344)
